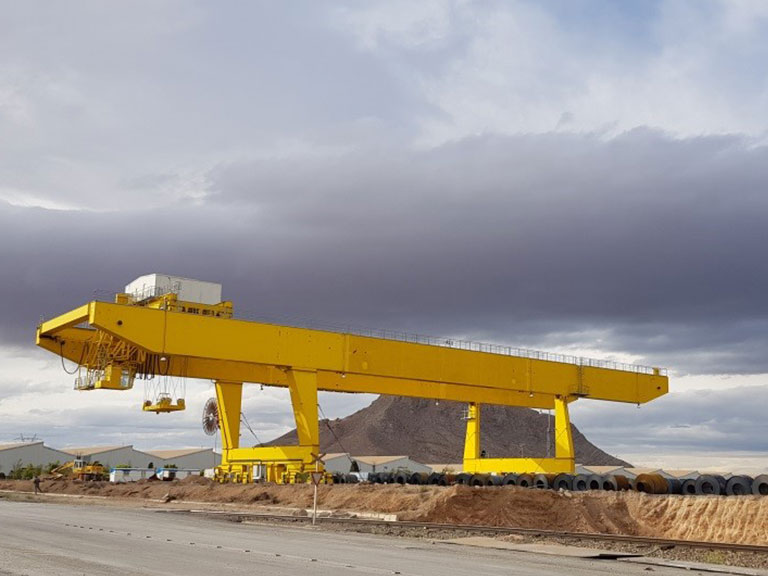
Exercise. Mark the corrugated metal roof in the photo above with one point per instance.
(373, 460)
(165, 454)
(334, 455)
(681, 473)
(18, 445)
(603, 469)
(441, 467)
(90, 450)
(639, 471)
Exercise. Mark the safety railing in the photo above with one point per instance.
(454, 343)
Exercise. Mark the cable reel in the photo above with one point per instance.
(210, 417)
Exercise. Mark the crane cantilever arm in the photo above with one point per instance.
(68, 342)
(67, 320)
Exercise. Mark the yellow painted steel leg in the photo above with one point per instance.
(303, 387)
(472, 440)
(229, 396)
(562, 462)
(563, 434)
(283, 463)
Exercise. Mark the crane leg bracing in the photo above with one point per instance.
(279, 462)
(113, 343)
(564, 460)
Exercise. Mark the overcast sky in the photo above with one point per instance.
(572, 175)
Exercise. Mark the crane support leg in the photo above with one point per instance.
(472, 440)
(562, 462)
(563, 434)
(229, 397)
(303, 387)
(272, 463)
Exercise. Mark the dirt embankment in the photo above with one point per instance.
(718, 519)
(742, 520)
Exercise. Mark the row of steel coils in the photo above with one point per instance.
(705, 484)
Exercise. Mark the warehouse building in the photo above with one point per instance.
(632, 472)
(446, 468)
(603, 470)
(339, 462)
(389, 464)
(23, 453)
(685, 474)
(111, 456)
(343, 462)
(186, 458)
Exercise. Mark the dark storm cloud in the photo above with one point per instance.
(642, 244)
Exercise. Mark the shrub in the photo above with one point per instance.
(27, 472)
(15, 473)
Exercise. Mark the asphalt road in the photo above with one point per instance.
(46, 539)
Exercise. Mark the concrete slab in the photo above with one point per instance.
(549, 549)
(697, 566)
(597, 554)
(57, 539)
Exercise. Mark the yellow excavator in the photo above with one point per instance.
(81, 470)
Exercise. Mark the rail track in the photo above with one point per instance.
(533, 532)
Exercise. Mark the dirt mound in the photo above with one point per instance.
(713, 519)
(433, 432)
(544, 510)
(741, 519)
(198, 480)
(718, 519)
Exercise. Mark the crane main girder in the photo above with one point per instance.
(231, 352)
(243, 351)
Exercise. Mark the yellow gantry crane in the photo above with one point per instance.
(178, 327)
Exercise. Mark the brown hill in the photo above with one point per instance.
(433, 432)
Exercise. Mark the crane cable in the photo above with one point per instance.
(79, 364)
(244, 420)
(338, 441)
